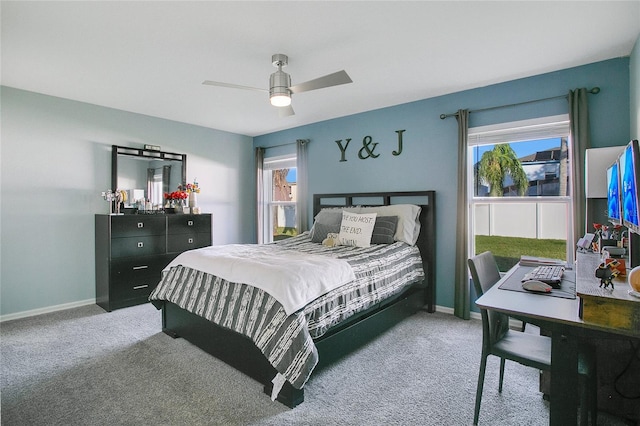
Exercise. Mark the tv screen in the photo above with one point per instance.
(629, 169)
(614, 211)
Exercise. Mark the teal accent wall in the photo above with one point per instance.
(429, 157)
(56, 160)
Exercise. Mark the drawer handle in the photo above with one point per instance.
(190, 222)
(140, 224)
(135, 268)
(190, 240)
(140, 244)
(138, 287)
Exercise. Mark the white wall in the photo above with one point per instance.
(56, 160)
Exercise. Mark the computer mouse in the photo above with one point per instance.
(537, 286)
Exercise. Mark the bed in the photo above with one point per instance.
(280, 344)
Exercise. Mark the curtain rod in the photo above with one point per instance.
(284, 144)
(594, 91)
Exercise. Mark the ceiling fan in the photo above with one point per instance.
(280, 88)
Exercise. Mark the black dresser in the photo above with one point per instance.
(132, 250)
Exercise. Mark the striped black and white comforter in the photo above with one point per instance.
(287, 341)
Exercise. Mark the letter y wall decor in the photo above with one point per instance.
(369, 148)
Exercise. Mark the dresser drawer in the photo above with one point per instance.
(137, 225)
(188, 223)
(133, 289)
(136, 267)
(182, 242)
(138, 246)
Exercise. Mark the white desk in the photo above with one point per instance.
(560, 317)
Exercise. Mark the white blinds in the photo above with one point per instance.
(517, 131)
(282, 162)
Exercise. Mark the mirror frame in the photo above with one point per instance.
(150, 154)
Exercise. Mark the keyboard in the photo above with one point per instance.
(550, 274)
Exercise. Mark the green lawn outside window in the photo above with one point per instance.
(507, 250)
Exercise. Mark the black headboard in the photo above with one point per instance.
(427, 238)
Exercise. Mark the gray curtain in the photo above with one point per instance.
(461, 296)
(579, 133)
(166, 176)
(259, 195)
(302, 194)
(151, 172)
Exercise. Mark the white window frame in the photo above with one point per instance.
(519, 131)
(270, 164)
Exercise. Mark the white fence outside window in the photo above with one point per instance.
(541, 220)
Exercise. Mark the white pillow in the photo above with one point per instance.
(408, 227)
(356, 229)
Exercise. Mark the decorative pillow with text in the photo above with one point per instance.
(356, 229)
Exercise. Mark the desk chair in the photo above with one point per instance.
(527, 349)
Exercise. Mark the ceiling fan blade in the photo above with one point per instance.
(285, 111)
(232, 86)
(335, 79)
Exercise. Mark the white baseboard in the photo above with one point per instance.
(444, 309)
(447, 310)
(513, 323)
(48, 309)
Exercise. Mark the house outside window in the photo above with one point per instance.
(519, 190)
(280, 189)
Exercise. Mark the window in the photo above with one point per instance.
(280, 198)
(519, 190)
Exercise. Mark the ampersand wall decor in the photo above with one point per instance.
(366, 146)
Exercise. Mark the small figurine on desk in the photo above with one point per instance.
(606, 273)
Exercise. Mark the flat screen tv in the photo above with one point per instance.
(629, 163)
(614, 211)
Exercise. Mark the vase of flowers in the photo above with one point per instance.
(192, 189)
(176, 200)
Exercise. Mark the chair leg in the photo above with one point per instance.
(483, 367)
(502, 360)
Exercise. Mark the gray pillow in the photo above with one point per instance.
(384, 230)
(326, 221)
(320, 231)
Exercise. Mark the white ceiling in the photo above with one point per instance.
(151, 57)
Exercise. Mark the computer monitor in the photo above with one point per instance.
(614, 210)
(629, 163)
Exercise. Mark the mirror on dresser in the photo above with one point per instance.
(146, 174)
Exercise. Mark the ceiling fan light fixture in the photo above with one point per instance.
(280, 89)
(279, 92)
(280, 100)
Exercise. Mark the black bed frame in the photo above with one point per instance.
(238, 350)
